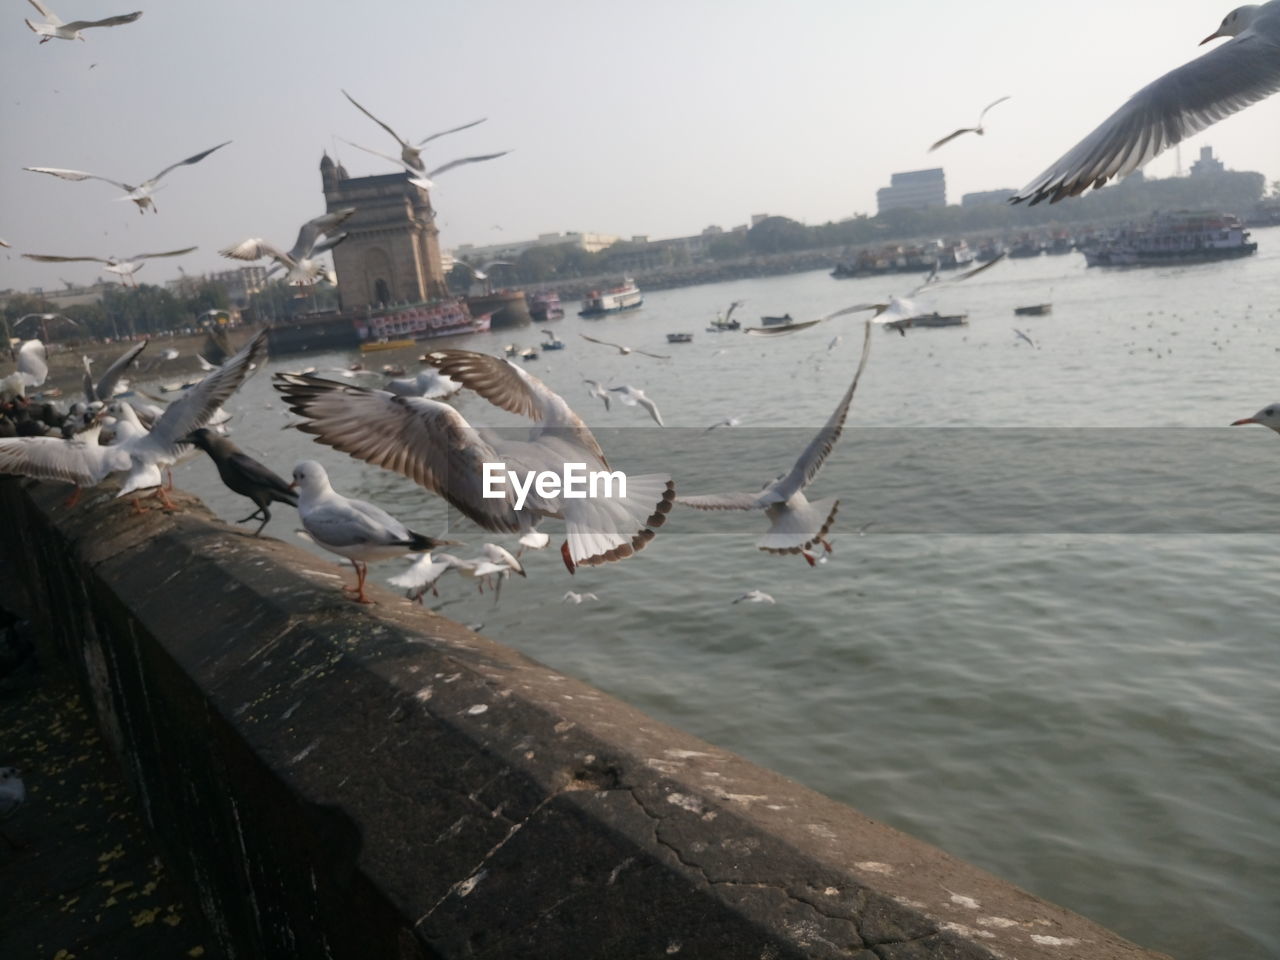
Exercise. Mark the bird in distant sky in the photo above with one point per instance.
(142, 193)
(122, 267)
(979, 129)
(1166, 111)
(300, 265)
(410, 155)
(54, 29)
(1023, 336)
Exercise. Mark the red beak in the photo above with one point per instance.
(294, 485)
(1244, 421)
(1213, 36)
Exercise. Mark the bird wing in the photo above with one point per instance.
(108, 22)
(425, 440)
(80, 461)
(465, 126)
(46, 13)
(724, 501)
(422, 573)
(255, 248)
(399, 139)
(653, 410)
(951, 136)
(327, 244)
(340, 522)
(310, 232)
(464, 160)
(604, 343)
(192, 159)
(50, 258)
(33, 363)
(1179, 104)
(782, 329)
(994, 103)
(732, 307)
(810, 462)
(957, 278)
(165, 253)
(656, 356)
(385, 156)
(197, 406)
(78, 175)
(106, 387)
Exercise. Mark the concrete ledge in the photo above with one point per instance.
(343, 782)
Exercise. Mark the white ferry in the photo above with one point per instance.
(626, 296)
(1182, 237)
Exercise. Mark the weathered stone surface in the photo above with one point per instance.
(344, 781)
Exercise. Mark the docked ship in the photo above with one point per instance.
(545, 306)
(625, 296)
(420, 321)
(1182, 237)
(937, 255)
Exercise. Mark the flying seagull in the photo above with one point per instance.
(755, 596)
(625, 350)
(422, 178)
(106, 387)
(244, 475)
(422, 576)
(54, 29)
(1167, 111)
(300, 266)
(124, 267)
(1023, 336)
(410, 156)
(354, 529)
(979, 130)
(632, 397)
(431, 443)
(142, 194)
(598, 390)
(797, 525)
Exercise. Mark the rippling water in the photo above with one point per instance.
(1073, 684)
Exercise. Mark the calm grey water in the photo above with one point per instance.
(1077, 690)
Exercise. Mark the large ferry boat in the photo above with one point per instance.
(938, 254)
(626, 296)
(421, 321)
(545, 306)
(1182, 237)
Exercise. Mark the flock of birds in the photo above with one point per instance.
(408, 427)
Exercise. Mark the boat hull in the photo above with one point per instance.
(1156, 258)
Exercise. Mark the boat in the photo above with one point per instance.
(1025, 246)
(370, 346)
(420, 321)
(782, 321)
(929, 320)
(528, 353)
(720, 326)
(511, 349)
(625, 296)
(1186, 236)
(1035, 310)
(679, 338)
(552, 342)
(545, 306)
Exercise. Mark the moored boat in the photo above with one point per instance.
(1173, 238)
(679, 338)
(420, 321)
(545, 306)
(782, 321)
(1034, 310)
(934, 319)
(625, 296)
(720, 326)
(552, 342)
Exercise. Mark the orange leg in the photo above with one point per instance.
(72, 500)
(362, 571)
(138, 508)
(161, 495)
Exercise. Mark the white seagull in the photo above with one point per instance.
(32, 370)
(300, 263)
(796, 524)
(632, 396)
(979, 129)
(429, 383)
(533, 540)
(431, 443)
(423, 178)
(142, 194)
(1268, 416)
(54, 29)
(625, 350)
(572, 596)
(726, 422)
(410, 156)
(122, 267)
(111, 384)
(755, 596)
(1167, 111)
(598, 390)
(422, 576)
(1023, 336)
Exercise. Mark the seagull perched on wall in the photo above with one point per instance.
(142, 193)
(979, 129)
(300, 264)
(797, 525)
(1167, 111)
(54, 29)
(431, 443)
(122, 267)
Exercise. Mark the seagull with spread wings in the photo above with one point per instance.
(1167, 111)
(124, 267)
(623, 350)
(410, 155)
(422, 178)
(633, 396)
(54, 29)
(142, 194)
(32, 370)
(979, 129)
(796, 524)
(431, 443)
(300, 264)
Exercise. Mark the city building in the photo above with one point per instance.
(985, 197)
(511, 249)
(1207, 165)
(392, 251)
(914, 190)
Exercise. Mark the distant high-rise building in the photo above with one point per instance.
(914, 190)
(1207, 164)
(984, 197)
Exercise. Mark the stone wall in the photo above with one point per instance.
(339, 781)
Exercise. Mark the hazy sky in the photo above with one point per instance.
(658, 118)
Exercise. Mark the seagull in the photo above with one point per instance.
(300, 265)
(571, 596)
(533, 540)
(82, 462)
(835, 342)
(598, 390)
(503, 557)
(755, 596)
(55, 29)
(1267, 417)
(124, 267)
(726, 422)
(483, 274)
(422, 178)
(978, 129)
(796, 524)
(1023, 336)
(1183, 102)
(431, 443)
(422, 576)
(429, 383)
(32, 370)
(111, 384)
(410, 156)
(142, 193)
(5, 243)
(244, 475)
(624, 350)
(631, 397)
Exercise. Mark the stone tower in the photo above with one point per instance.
(392, 251)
